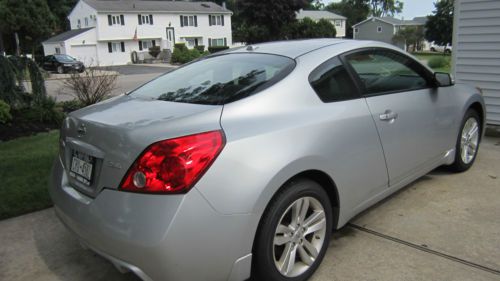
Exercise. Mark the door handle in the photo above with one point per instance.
(388, 115)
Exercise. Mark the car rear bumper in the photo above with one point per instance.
(158, 237)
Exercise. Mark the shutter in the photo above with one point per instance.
(154, 43)
(140, 45)
(151, 19)
(182, 23)
(123, 47)
(139, 17)
(122, 19)
(110, 48)
(209, 20)
(110, 22)
(225, 41)
(222, 20)
(195, 21)
(209, 42)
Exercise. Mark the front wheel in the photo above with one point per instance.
(467, 142)
(294, 233)
(60, 69)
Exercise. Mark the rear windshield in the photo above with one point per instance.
(218, 80)
(65, 58)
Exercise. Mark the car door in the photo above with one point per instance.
(355, 148)
(47, 62)
(414, 119)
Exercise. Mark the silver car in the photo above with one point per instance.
(243, 163)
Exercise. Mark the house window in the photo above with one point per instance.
(116, 20)
(145, 19)
(79, 24)
(146, 44)
(189, 21)
(86, 22)
(58, 50)
(379, 29)
(217, 42)
(216, 20)
(338, 23)
(356, 30)
(115, 47)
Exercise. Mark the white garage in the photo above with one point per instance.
(85, 53)
(78, 43)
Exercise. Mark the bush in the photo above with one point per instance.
(91, 86)
(200, 48)
(45, 111)
(69, 106)
(183, 55)
(215, 49)
(154, 51)
(4, 112)
(437, 62)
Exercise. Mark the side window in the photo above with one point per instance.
(386, 71)
(331, 82)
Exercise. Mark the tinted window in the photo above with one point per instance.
(385, 71)
(64, 58)
(218, 80)
(332, 82)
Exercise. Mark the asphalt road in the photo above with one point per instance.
(442, 227)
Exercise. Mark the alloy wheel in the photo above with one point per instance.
(469, 140)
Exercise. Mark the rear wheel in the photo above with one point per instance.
(447, 51)
(60, 69)
(467, 142)
(294, 233)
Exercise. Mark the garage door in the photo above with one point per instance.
(87, 54)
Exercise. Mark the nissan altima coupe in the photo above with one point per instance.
(242, 163)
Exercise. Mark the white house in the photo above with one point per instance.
(106, 32)
(337, 20)
(476, 50)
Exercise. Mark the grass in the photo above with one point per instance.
(427, 56)
(24, 172)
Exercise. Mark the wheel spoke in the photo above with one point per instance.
(297, 207)
(304, 256)
(310, 248)
(473, 130)
(317, 225)
(313, 218)
(287, 260)
(303, 211)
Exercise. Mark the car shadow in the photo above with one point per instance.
(67, 260)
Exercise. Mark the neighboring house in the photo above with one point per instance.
(476, 50)
(106, 32)
(337, 20)
(384, 28)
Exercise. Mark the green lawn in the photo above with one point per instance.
(427, 56)
(25, 165)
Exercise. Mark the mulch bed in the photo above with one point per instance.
(18, 127)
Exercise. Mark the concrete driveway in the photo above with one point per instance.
(442, 227)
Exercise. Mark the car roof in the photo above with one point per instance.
(289, 48)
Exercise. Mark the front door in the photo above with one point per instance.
(170, 38)
(413, 118)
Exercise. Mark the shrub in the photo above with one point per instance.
(4, 112)
(437, 62)
(180, 46)
(91, 86)
(183, 55)
(215, 49)
(200, 48)
(69, 106)
(154, 51)
(45, 111)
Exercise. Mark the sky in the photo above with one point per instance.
(411, 8)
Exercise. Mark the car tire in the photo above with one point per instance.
(60, 69)
(308, 249)
(447, 51)
(432, 49)
(468, 142)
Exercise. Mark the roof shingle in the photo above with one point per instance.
(66, 35)
(154, 6)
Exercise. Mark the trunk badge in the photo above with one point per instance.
(82, 130)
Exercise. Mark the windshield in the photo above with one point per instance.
(65, 58)
(218, 80)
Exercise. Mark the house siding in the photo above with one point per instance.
(368, 31)
(476, 50)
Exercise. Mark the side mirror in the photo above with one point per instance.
(443, 79)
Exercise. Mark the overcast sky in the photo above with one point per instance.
(411, 8)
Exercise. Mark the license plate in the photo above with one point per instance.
(81, 167)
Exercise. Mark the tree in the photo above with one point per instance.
(61, 9)
(262, 21)
(411, 36)
(30, 20)
(382, 8)
(308, 28)
(354, 10)
(439, 26)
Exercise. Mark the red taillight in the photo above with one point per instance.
(174, 165)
